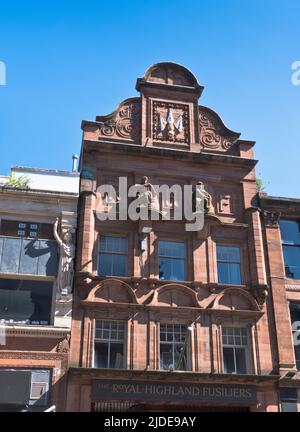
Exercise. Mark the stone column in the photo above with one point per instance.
(86, 231)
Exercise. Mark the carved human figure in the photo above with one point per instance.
(202, 195)
(150, 193)
(66, 257)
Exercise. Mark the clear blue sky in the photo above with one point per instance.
(72, 60)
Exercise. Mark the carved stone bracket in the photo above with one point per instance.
(261, 293)
(271, 219)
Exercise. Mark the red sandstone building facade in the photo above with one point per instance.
(163, 318)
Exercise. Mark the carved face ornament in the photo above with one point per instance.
(170, 124)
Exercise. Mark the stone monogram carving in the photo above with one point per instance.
(123, 123)
(224, 204)
(170, 122)
(213, 133)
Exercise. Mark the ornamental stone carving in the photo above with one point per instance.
(124, 123)
(214, 135)
(170, 122)
(261, 293)
(271, 219)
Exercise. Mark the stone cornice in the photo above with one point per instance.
(217, 158)
(38, 193)
(34, 331)
(167, 376)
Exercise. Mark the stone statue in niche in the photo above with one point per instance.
(65, 273)
(202, 195)
(224, 205)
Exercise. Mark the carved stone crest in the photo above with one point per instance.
(170, 122)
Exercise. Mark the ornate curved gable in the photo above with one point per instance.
(214, 135)
(123, 124)
(112, 291)
(166, 115)
(235, 299)
(174, 295)
(170, 73)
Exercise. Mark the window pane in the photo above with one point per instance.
(229, 273)
(112, 265)
(240, 358)
(177, 351)
(228, 253)
(171, 249)
(292, 261)
(290, 232)
(119, 265)
(166, 357)
(25, 301)
(105, 265)
(116, 356)
(171, 269)
(101, 355)
(113, 244)
(228, 356)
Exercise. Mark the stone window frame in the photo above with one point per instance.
(241, 262)
(235, 242)
(234, 345)
(185, 258)
(89, 331)
(185, 238)
(110, 340)
(236, 320)
(130, 249)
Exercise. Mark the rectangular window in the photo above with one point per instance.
(289, 399)
(229, 265)
(25, 301)
(235, 350)
(113, 256)
(290, 238)
(173, 347)
(109, 344)
(295, 319)
(171, 260)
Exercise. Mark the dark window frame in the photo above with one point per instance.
(110, 341)
(246, 347)
(184, 258)
(240, 262)
(126, 255)
(185, 361)
(286, 244)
